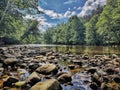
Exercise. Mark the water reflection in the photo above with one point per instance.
(91, 50)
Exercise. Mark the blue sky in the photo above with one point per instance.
(58, 11)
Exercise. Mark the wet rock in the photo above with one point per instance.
(64, 78)
(10, 81)
(51, 84)
(33, 78)
(47, 69)
(10, 61)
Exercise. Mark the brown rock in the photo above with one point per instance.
(51, 84)
(47, 69)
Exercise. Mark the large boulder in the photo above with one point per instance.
(51, 84)
(47, 69)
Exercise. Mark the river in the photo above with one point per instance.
(77, 49)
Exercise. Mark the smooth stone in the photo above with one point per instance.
(51, 84)
(20, 83)
(47, 69)
(10, 61)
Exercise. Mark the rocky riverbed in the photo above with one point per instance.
(35, 68)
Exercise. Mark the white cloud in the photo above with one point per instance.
(68, 14)
(43, 24)
(91, 5)
(51, 13)
(79, 8)
(70, 1)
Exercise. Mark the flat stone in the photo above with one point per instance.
(51, 84)
(47, 69)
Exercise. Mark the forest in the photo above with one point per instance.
(102, 27)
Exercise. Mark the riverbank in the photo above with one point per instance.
(30, 67)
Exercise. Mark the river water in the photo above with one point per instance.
(76, 49)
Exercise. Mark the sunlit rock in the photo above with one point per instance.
(51, 84)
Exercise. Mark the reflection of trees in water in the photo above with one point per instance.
(91, 50)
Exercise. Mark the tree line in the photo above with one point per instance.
(102, 27)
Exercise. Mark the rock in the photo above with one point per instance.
(92, 70)
(93, 86)
(113, 86)
(1, 83)
(51, 84)
(85, 57)
(33, 66)
(113, 56)
(47, 69)
(51, 57)
(117, 79)
(20, 83)
(10, 61)
(64, 78)
(78, 62)
(33, 78)
(111, 71)
(72, 66)
(98, 56)
(10, 81)
(96, 81)
(1, 71)
(105, 79)
(104, 86)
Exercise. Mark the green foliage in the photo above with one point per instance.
(71, 32)
(109, 23)
(12, 23)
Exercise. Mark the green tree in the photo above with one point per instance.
(92, 38)
(77, 30)
(108, 22)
